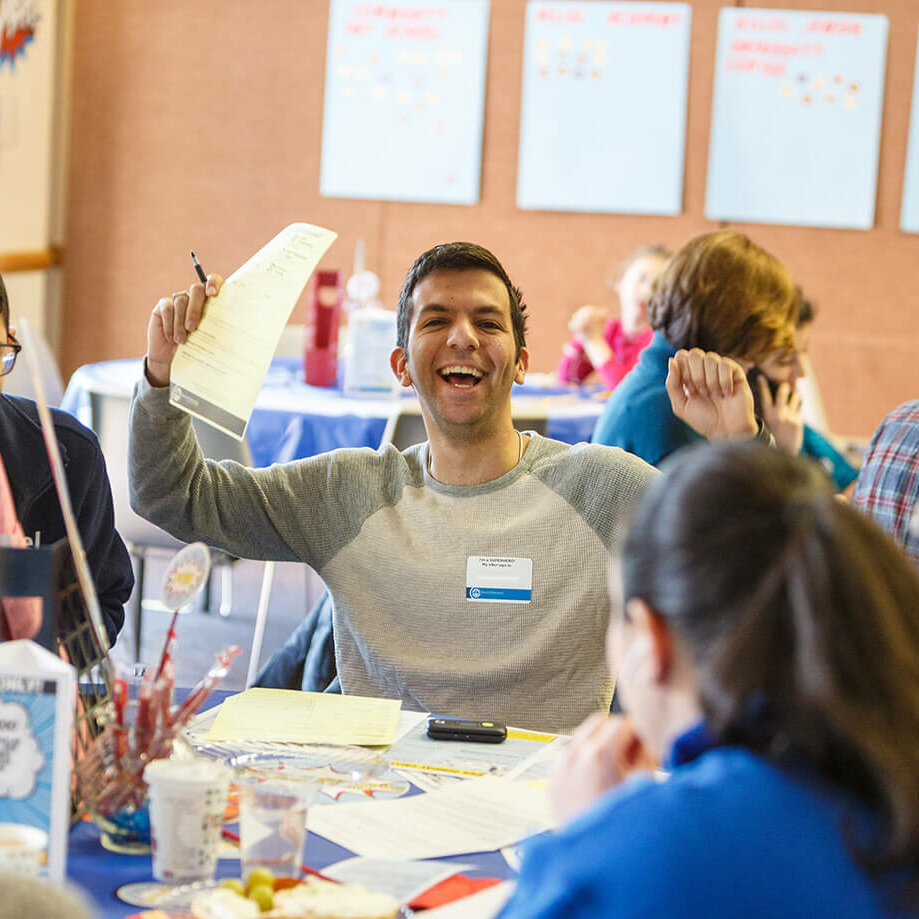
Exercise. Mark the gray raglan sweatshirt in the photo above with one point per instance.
(392, 544)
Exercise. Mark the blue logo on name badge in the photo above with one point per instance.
(513, 595)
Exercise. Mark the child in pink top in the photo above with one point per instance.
(608, 345)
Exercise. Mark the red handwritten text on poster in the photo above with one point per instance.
(833, 26)
(761, 24)
(386, 11)
(738, 64)
(559, 14)
(425, 33)
(776, 49)
(645, 18)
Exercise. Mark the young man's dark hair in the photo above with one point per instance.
(459, 256)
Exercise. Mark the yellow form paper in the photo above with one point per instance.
(217, 373)
(291, 716)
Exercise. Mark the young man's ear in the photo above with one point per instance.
(399, 364)
(523, 363)
(653, 631)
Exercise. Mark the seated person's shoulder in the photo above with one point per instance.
(75, 437)
(588, 461)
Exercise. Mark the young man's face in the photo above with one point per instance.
(461, 355)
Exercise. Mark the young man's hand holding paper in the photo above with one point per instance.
(216, 373)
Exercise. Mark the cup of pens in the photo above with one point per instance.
(148, 727)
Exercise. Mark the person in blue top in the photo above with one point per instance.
(788, 367)
(719, 293)
(767, 648)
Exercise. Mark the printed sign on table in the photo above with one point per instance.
(37, 698)
(796, 118)
(603, 116)
(404, 100)
(909, 208)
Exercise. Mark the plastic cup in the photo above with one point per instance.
(22, 848)
(187, 801)
(272, 825)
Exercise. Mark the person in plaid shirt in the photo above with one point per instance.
(887, 487)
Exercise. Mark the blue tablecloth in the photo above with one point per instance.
(292, 420)
(100, 873)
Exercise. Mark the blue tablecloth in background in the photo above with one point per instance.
(292, 420)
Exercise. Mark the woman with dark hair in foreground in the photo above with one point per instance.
(768, 651)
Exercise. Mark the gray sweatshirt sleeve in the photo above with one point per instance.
(301, 511)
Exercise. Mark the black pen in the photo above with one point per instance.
(202, 277)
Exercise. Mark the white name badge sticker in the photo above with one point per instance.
(499, 580)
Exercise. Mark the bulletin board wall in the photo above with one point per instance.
(199, 126)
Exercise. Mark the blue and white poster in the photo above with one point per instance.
(404, 100)
(909, 208)
(603, 114)
(796, 118)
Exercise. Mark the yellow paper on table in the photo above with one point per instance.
(218, 371)
(292, 716)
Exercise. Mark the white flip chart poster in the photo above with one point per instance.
(909, 208)
(404, 100)
(603, 115)
(796, 117)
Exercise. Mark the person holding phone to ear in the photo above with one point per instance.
(774, 382)
(719, 295)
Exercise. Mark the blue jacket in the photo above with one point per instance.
(638, 416)
(728, 834)
(834, 464)
(29, 472)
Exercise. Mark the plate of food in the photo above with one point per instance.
(288, 898)
(333, 773)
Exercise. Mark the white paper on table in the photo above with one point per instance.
(513, 856)
(403, 880)
(407, 721)
(480, 815)
(305, 717)
(218, 371)
(415, 752)
(430, 781)
(482, 905)
(536, 768)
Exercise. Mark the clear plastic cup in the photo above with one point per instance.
(272, 825)
(187, 802)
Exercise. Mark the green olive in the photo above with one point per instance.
(263, 895)
(234, 884)
(259, 877)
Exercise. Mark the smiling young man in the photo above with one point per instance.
(463, 571)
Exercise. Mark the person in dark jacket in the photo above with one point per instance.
(29, 471)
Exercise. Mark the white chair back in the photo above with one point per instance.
(110, 415)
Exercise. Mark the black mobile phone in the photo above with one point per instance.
(461, 729)
(753, 375)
